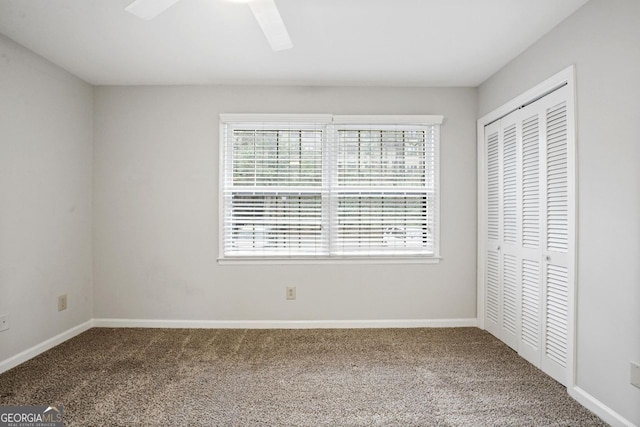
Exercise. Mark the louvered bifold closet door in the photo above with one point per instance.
(530, 342)
(557, 236)
(530, 244)
(511, 225)
(493, 273)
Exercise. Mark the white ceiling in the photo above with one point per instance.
(336, 42)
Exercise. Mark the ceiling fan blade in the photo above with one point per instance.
(267, 15)
(149, 9)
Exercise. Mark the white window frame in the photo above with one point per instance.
(332, 121)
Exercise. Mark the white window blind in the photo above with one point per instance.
(318, 189)
(272, 189)
(384, 191)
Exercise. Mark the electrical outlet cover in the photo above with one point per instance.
(4, 322)
(62, 302)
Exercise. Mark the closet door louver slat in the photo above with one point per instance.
(531, 183)
(556, 168)
(493, 180)
(509, 186)
(531, 304)
(493, 287)
(557, 315)
(509, 294)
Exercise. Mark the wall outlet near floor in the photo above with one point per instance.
(4, 322)
(291, 292)
(62, 302)
(635, 374)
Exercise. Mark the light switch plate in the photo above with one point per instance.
(635, 374)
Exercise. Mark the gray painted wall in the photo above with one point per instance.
(156, 211)
(603, 40)
(45, 198)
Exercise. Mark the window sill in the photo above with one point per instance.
(330, 260)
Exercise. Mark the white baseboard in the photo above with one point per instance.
(32, 352)
(285, 324)
(600, 409)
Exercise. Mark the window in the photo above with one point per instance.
(329, 187)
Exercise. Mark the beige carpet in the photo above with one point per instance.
(351, 377)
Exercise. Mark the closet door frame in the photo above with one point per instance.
(565, 77)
